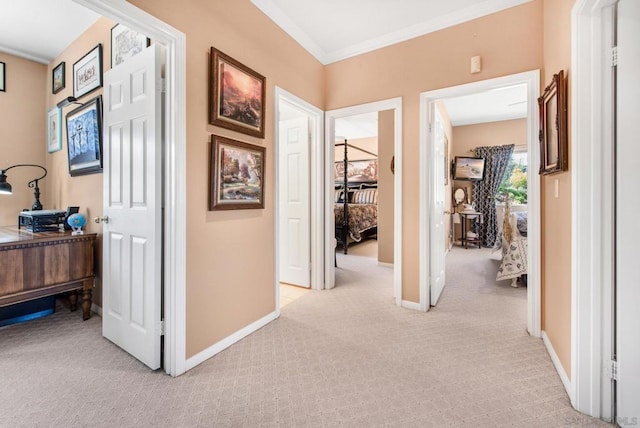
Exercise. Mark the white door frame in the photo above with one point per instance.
(592, 206)
(175, 171)
(532, 80)
(316, 184)
(394, 104)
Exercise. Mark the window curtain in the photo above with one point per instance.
(496, 159)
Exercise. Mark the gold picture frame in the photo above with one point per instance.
(553, 127)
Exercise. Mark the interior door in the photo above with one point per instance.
(628, 205)
(132, 207)
(438, 244)
(295, 211)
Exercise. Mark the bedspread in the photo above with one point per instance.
(361, 218)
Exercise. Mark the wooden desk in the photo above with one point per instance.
(34, 265)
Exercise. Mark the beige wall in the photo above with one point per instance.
(386, 140)
(369, 144)
(22, 134)
(230, 254)
(509, 42)
(82, 191)
(556, 212)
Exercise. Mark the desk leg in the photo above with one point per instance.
(86, 302)
(73, 300)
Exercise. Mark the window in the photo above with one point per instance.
(514, 181)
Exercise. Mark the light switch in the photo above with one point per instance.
(556, 188)
(476, 64)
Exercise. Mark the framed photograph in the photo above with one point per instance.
(446, 161)
(87, 72)
(553, 127)
(468, 168)
(236, 175)
(360, 171)
(57, 78)
(3, 70)
(126, 43)
(54, 129)
(84, 138)
(237, 96)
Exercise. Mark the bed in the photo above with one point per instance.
(356, 197)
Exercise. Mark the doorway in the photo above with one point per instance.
(394, 105)
(428, 159)
(299, 220)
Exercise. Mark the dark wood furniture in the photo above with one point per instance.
(34, 265)
(465, 219)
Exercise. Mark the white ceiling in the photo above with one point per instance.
(39, 30)
(330, 30)
(333, 30)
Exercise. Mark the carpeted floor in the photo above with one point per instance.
(346, 357)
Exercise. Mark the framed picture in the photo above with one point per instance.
(126, 43)
(446, 161)
(84, 138)
(54, 129)
(236, 175)
(360, 171)
(3, 70)
(57, 78)
(87, 72)
(237, 96)
(553, 127)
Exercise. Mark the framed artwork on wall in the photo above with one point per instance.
(126, 43)
(84, 138)
(360, 171)
(553, 127)
(236, 175)
(87, 72)
(54, 129)
(237, 96)
(57, 78)
(3, 70)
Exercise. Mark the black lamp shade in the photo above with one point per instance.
(5, 187)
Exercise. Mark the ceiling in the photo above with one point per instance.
(330, 30)
(39, 30)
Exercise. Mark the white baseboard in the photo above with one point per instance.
(96, 309)
(228, 341)
(383, 264)
(411, 305)
(556, 362)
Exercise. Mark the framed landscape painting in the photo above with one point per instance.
(236, 175)
(57, 78)
(237, 96)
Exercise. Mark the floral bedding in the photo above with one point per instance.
(361, 218)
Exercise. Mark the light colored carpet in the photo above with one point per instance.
(345, 357)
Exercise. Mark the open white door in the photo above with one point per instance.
(132, 207)
(295, 212)
(628, 205)
(438, 248)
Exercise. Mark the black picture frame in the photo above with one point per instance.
(467, 168)
(236, 175)
(87, 72)
(84, 138)
(126, 43)
(553, 137)
(3, 80)
(58, 78)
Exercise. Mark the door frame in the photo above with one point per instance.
(394, 104)
(592, 176)
(174, 170)
(316, 117)
(427, 100)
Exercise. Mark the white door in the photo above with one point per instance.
(132, 207)
(294, 226)
(628, 205)
(438, 245)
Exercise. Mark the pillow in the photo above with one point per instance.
(365, 196)
(521, 216)
(338, 196)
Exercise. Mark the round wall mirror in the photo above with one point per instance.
(460, 195)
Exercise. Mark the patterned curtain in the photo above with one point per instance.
(484, 192)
